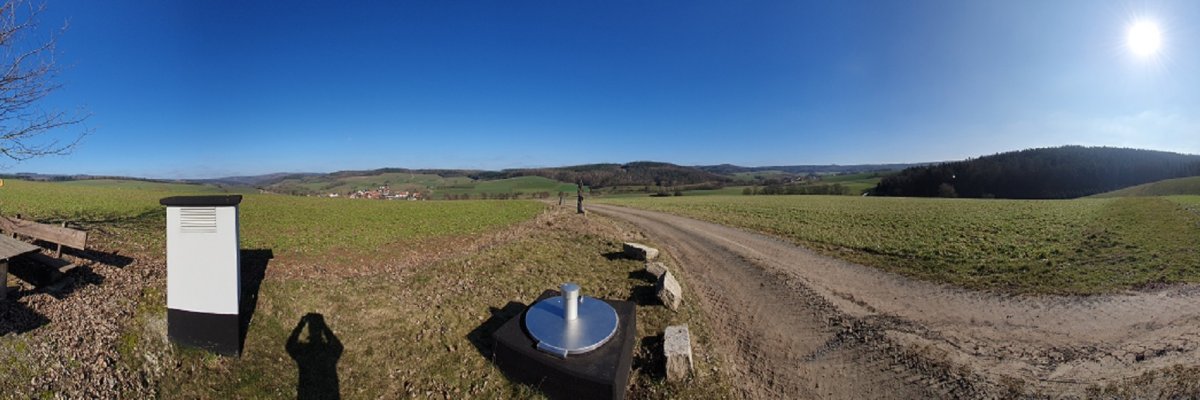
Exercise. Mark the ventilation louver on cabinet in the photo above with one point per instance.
(198, 220)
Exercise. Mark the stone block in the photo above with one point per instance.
(668, 291)
(639, 251)
(677, 346)
(656, 268)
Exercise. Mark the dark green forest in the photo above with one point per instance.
(1046, 173)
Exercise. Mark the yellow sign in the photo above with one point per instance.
(1, 183)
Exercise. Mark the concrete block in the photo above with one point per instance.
(677, 346)
(668, 291)
(639, 251)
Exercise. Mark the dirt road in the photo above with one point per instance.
(796, 324)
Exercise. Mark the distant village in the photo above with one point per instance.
(381, 193)
(385, 193)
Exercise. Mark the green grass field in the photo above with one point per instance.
(1190, 202)
(1169, 187)
(1067, 246)
(154, 186)
(726, 191)
(286, 224)
(858, 183)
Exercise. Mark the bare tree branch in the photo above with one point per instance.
(27, 74)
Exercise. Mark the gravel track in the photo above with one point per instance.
(802, 325)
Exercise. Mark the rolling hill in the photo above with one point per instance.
(730, 169)
(1046, 173)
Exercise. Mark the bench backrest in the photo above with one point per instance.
(55, 234)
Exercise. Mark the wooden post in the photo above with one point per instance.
(579, 208)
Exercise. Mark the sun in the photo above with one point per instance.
(1144, 38)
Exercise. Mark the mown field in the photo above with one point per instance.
(1069, 246)
(412, 320)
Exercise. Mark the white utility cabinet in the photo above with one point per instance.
(204, 272)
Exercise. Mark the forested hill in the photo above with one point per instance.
(729, 169)
(643, 173)
(1048, 173)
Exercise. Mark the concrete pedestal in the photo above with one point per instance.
(600, 374)
(218, 333)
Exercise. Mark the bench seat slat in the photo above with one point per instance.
(57, 263)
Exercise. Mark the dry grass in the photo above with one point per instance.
(425, 331)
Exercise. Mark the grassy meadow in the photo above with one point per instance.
(153, 186)
(1080, 246)
(411, 290)
(1169, 187)
(858, 183)
(285, 224)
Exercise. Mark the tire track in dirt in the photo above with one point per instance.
(779, 335)
(799, 324)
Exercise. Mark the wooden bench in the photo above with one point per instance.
(58, 235)
(10, 248)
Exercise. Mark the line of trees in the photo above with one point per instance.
(1047, 173)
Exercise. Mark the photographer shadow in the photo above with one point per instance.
(316, 358)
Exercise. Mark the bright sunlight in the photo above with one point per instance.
(1144, 38)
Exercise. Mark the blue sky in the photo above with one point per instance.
(213, 88)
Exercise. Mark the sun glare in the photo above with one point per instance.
(1144, 38)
